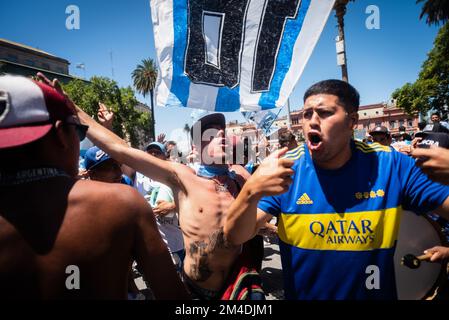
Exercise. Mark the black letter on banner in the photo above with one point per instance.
(223, 70)
(268, 43)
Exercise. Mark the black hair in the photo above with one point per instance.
(422, 125)
(347, 94)
(436, 114)
(285, 138)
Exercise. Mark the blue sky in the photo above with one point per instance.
(379, 61)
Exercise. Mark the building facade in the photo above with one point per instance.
(370, 116)
(20, 59)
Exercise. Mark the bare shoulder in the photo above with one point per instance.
(182, 168)
(241, 171)
(183, 174)
(112, 199)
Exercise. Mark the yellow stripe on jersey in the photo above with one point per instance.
(295, 154)
(356, 231)
(375, 147)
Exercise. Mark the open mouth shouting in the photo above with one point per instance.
(314, 141)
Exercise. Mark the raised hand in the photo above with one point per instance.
(161, 138)
(55, 84)
(105, 116)
(274, 175)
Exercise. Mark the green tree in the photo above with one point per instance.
(431, 89)
(436, 11)
(144, 77)
(131, 124)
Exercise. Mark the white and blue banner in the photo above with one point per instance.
(233, 55)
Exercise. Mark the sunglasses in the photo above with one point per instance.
(81, 129)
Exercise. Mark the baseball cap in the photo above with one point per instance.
(379, 129)
(158, 145)
(28, 110)
(208, 120)
(94, 156)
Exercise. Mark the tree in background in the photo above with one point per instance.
(144, 77)
(131, 124)
(431, 90)
(436, 11)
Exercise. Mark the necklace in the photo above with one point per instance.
(29, 175)
(220, 187)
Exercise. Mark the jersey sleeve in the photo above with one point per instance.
(271, 205)
(420, 194)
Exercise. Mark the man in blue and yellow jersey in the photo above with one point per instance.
(339, 203)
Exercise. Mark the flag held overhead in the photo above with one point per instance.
(233, 54)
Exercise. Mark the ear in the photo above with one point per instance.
(62, 135)
(353, 119)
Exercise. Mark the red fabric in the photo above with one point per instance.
(244, 276)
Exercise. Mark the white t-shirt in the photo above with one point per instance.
(168, 225)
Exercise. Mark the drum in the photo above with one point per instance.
(417, 233)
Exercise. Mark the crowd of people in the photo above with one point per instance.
(193, 230)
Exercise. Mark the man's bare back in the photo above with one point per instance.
(51, 224)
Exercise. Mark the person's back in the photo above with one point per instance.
(55, 223)
(61, 237)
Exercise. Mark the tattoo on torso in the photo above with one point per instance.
(199, 252)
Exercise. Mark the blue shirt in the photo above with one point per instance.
(335, 224)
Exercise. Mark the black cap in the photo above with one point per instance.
(379, 129)
(208, 120)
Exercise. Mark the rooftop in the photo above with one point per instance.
(23, 47)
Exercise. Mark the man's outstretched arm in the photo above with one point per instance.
(117, 148)
(244, 219)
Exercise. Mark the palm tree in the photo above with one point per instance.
(144, 78)
(436, 10)
(340, 11)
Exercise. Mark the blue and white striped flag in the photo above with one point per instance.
(233, 54)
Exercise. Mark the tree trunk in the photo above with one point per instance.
(153, 122)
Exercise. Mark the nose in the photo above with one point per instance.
(314, 120)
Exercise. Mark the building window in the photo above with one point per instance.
(401, 123)
(378, 124)
(392, 124)
(410, 123)
(60, 70)
(377, 112)
(12, 58)
(30, 63)
(46, 66)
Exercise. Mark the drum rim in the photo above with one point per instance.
(442, 277)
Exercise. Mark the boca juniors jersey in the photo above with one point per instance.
(337, 228)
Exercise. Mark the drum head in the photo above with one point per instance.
(416, 233)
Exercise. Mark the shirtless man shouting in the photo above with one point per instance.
(203, 198)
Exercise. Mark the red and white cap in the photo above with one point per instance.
(28, 110)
